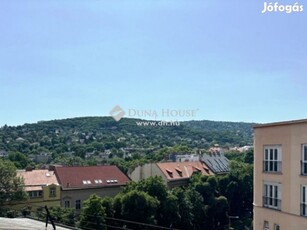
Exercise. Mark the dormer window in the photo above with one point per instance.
(179, 171)
(198, 169)
(170, 172)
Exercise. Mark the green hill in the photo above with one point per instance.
(88, 134)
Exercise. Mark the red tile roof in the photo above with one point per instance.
(183, 170)
(35, 179)
(90, 176)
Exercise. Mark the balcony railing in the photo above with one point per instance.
(303, 209)
(270, 202)
(272, 166)
(304, 168)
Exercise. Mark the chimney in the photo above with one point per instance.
(51, 168)
(29, 169)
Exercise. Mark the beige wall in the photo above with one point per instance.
(146, 171)
(290, 137)
(84, 194)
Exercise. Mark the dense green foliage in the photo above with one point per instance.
(63, 215)
(79, 136)
(206, 203)
(93, 214)
(11, 186)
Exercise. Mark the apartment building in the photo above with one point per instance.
(174, 174)
(79, 182)
(280, 176)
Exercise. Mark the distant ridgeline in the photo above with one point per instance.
(88, 134)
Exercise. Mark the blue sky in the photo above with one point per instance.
(63, 59)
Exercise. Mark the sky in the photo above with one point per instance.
(225, 60)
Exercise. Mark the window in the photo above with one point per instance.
(86, 182)
(304, 200)
(35, 194)
(304, 160)
(272, 159)
(266, 225)
(78, 204)
(98, 181)
(52, 192)
(272, 195)
(276, 227)
(67, 204)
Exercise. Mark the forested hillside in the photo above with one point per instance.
(88, 134)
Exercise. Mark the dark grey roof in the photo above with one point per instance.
(217, 162)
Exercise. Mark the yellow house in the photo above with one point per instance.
(42, 187)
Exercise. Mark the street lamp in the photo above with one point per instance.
(231, 217)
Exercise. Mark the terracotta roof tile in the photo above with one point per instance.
(183, 170)
(90, 176)
(37, 178)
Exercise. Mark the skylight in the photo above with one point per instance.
(86, 182)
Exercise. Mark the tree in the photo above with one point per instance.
(139, 206)
(63, 215)
(107, 203)
(11, 186)
(237, 187)
(93, 213)
(249, 156)
(20, 160)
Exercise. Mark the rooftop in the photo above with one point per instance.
(183, 170)
(216, 161)
(281, 123)
(79, 177)
(35, 179)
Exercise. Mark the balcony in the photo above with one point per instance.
(273, 166)
(273, 203)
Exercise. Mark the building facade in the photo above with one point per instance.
(174, 174)
(280, 176)
(78, 183)
(42, 187)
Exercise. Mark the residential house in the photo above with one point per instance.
(280, 176)
(184, 157)
(42, 187)
(79, 182)
(174, 174)
(3, 153)
(216, 161)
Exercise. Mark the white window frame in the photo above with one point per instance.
(304, 160)
(266, 225)
(67, 203)
(272, 195)
(276, 227)
(78, 204)
(272, 158)
(36, 194)
(304, 200)
(52, 192)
